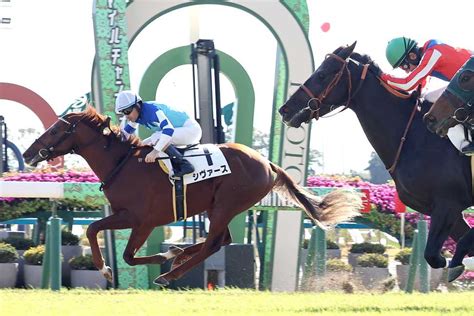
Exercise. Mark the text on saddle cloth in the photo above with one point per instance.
(207, 159)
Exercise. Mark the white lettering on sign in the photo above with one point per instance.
(294, 152)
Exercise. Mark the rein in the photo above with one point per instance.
(122, 162)
(47, 150)
(402, 140)
(320, 98)
(394, 91)
(117, 169)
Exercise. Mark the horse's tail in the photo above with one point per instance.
(337, 206)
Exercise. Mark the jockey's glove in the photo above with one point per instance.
(124, 135)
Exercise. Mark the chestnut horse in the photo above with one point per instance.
(140, 194)
(430, 175)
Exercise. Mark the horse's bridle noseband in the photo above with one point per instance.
(461, 114)
(47, 151)
(318, 100)
(466, 109)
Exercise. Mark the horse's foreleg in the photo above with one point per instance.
(441, 223)
(456, 267)
(198, 253)
(461, 228)
(118, 220)
(136, 241)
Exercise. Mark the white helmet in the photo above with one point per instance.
(126, 99)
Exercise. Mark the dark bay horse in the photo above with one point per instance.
(455, 105)
(429, 173)
(140, 194)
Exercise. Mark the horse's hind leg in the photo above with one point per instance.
(187, 254)
(456, 267)
(136, 241)
(192, 250)
(218, 232)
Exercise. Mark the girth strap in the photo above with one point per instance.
(179, 199)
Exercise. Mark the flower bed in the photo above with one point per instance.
(21, 207)
(382, 198)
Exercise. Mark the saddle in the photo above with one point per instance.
(208, 161)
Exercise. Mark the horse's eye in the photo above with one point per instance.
(321, 76)
(465, 79)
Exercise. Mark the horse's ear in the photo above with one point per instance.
(336, 52)
(347, 51)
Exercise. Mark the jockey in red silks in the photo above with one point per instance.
(434, 59)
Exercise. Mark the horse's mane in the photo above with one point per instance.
(91, 115)
(365, 59)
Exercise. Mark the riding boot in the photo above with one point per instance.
(180, 165)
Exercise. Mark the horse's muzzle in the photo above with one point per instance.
(32, 160)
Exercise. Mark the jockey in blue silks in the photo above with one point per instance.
(172, 127)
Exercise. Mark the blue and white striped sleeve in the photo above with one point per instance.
(167, 130)
(128, 128)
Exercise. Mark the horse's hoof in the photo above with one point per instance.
(108, 275)
(454, 273)
(161, 281)
(175, 250)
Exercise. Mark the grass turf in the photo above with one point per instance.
(229, 302)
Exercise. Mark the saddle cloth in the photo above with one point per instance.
(457, 137)
(207, 159)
